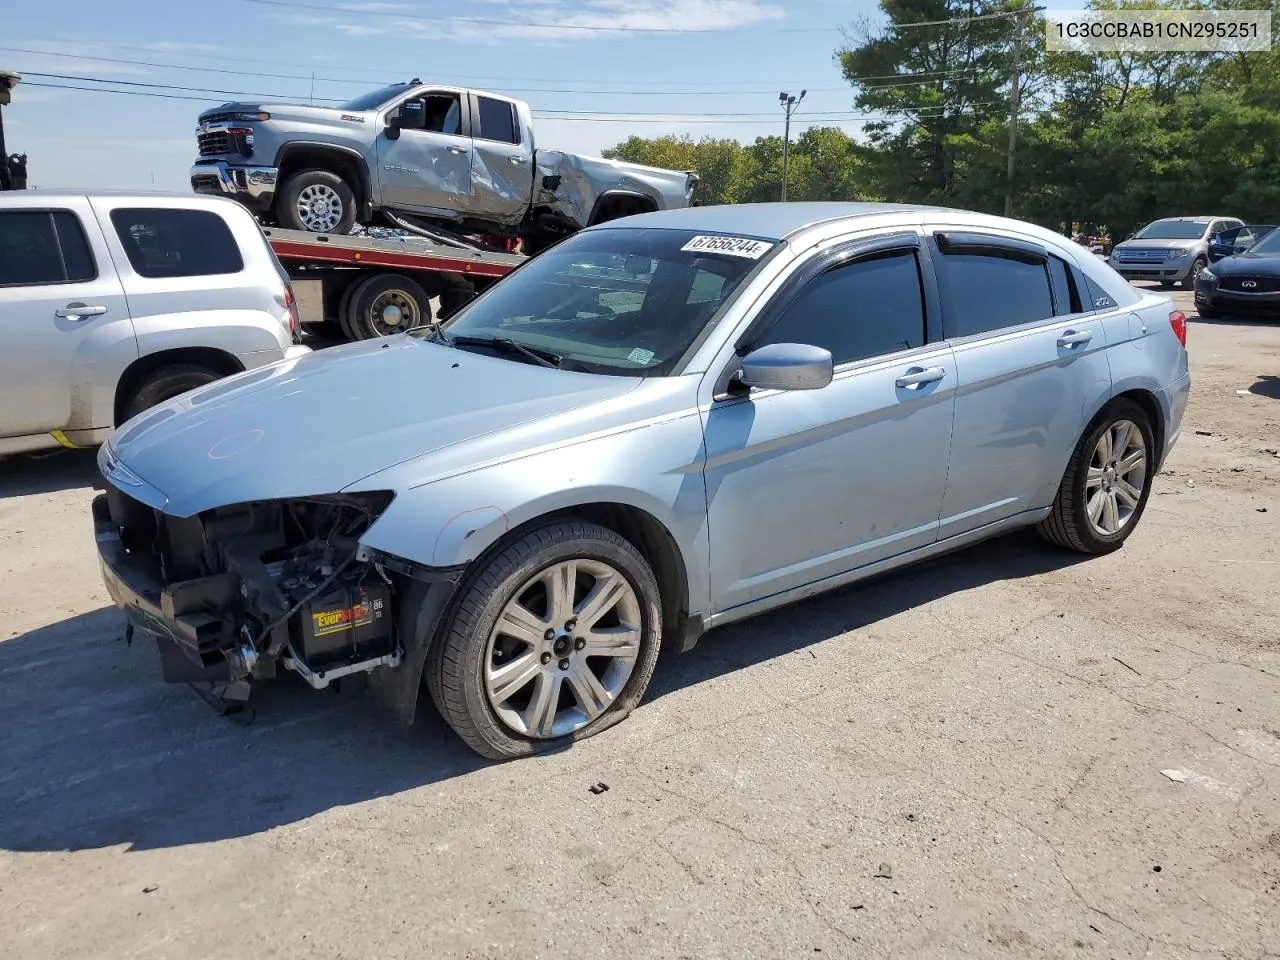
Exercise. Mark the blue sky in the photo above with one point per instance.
(743, 53)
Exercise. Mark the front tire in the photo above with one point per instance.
(316, 201)
(1107, 483)
(1189, 281)
(553, 640)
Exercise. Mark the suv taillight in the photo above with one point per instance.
(1178, 320)
(291, 304)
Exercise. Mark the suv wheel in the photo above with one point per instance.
(316, 201)
(1189, 281)
(1107, 482)
(553, 640)
(165, 384)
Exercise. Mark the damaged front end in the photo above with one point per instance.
(233, 592)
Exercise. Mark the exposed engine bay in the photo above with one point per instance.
(232, 592)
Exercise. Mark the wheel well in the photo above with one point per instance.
(348, 167)
(223, 363)
(648, 535)
(1155, 414)
(613, 206)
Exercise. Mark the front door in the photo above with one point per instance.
(807, 485)
(429, 171)
(60, 304)
(502, 165)
(1030, 355)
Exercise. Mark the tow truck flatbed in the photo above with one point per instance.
(364, 287)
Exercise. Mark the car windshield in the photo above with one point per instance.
(620, 301)
(374, 99)
(1269, 244)
(1173, 230)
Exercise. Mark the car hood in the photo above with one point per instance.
(285, 111)
(1157, 244)
(324, 421)
(1254, 264)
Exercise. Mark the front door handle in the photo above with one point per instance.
(1074, 338)
(518, 161)
(918, 376)
(458, 150)
(78, 311)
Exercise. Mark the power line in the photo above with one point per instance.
(167, 86)
(579, 116)
(980, 16)
(495, 22)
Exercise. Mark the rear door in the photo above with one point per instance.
(501, 164)
(1030, 358)
(63, 318)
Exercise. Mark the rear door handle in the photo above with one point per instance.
(518, 161)
(458, 150)
(78, 311)
(1074, 338)
(918, 376)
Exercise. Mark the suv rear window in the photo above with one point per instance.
(39, 247)
(163, 244)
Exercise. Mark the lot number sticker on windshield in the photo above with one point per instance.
(729, 246)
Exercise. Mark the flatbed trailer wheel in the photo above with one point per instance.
(382, 306)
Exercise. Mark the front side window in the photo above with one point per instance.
(497, 121)
(39, 247)
(617, 301)
(162, 244)
(443, 113)
(858, 310)
(983, 292)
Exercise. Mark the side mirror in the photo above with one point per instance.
(787, 366)
(410, 115)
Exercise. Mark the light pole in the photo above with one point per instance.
(789, 104)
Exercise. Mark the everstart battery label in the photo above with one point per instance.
(325, 622)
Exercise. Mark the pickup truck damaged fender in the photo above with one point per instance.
(571, 185)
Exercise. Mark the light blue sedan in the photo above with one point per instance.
(658, 426)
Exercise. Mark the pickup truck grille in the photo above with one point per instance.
(1259, 284)
(222, 141)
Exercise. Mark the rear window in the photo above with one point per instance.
(497, 121)
(162, 244)
(39, 247)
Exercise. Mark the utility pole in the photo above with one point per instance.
(8, 80)
(1015, 101)
(789, 104)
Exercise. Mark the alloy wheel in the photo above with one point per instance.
(563, 648)
(1117, 477)
(320, 208)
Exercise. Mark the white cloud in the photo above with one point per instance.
(550, 22)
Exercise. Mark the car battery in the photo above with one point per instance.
(347, 623)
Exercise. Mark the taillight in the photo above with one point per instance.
(1178, 320)
(291, 304)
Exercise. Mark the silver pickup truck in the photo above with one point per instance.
(446, 158)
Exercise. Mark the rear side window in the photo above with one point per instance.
(39, 247)
(162, 244)
(497, 121)
(1066, 295)
(982, 292)
(862, 309)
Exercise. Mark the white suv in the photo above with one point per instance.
(112, 303)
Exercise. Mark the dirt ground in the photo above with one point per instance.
(1011, 752)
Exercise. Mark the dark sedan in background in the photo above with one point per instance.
(1244, 284)
(1237, 240)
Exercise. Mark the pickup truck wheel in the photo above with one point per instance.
(384, 305)
(553, 640)
(316, 201)
(165, 384)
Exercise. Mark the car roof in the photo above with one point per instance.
(766, 221)
(63, 195)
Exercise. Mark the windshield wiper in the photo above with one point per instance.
(506, 345)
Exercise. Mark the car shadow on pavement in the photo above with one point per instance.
(97, 751)
(27, 474)
(1267, 386)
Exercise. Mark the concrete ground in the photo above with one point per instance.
(1011, 752)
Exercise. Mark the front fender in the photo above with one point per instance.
(656, 469)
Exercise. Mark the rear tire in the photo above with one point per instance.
(382, 306)
(316, 201)
(501, 718)
(165, 384)
(1103, 493)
